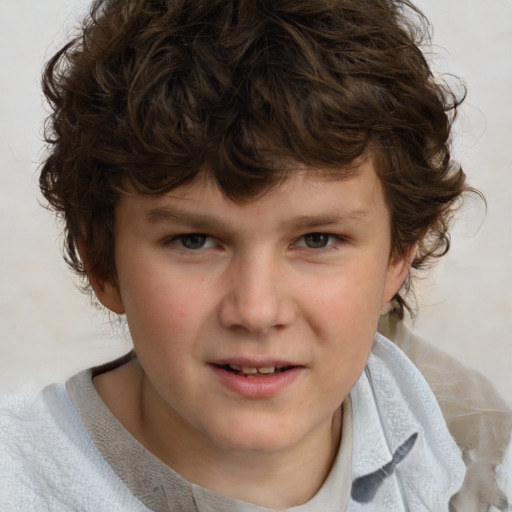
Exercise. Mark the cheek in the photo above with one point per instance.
(345, 315)
(351, 297)
(164, 306)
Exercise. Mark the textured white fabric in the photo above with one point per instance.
(477, 418)
(390, 402)
(48, 461)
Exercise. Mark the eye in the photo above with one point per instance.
(317, 240)
(193, 241)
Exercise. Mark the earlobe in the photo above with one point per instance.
(398, 271)
(106, 291)
(108, 294)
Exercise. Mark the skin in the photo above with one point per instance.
(258, 287)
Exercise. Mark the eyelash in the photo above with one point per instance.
(180, 238)
(334, 239)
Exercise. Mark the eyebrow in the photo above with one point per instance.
(328, 219)
(201, 221)
(165, 214)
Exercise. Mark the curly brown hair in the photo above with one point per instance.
(152, 93)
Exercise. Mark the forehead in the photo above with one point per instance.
(305, 193)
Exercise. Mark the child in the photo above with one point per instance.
(251, 183)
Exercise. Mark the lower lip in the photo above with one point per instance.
(258, 387)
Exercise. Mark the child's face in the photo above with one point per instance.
(294, 280)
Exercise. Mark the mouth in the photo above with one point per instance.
(254, 371)
(257, 379)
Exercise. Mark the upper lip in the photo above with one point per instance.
(254, 363)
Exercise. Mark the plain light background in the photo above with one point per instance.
(49, 330)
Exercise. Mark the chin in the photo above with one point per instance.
(253, 437)
(262, 445)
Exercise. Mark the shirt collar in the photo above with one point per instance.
(392, 403)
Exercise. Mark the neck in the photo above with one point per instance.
(255, 477)
(259, 478)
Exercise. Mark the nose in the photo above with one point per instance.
(257, 297)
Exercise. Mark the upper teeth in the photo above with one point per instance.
(253, 369)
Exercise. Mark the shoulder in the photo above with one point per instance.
(477, 417)
(49, 462)
(25, 417)
(28, 439)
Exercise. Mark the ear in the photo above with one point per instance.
(398, 270)
(106, 291)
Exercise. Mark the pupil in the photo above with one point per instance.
(193, 241)
(316, 240)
